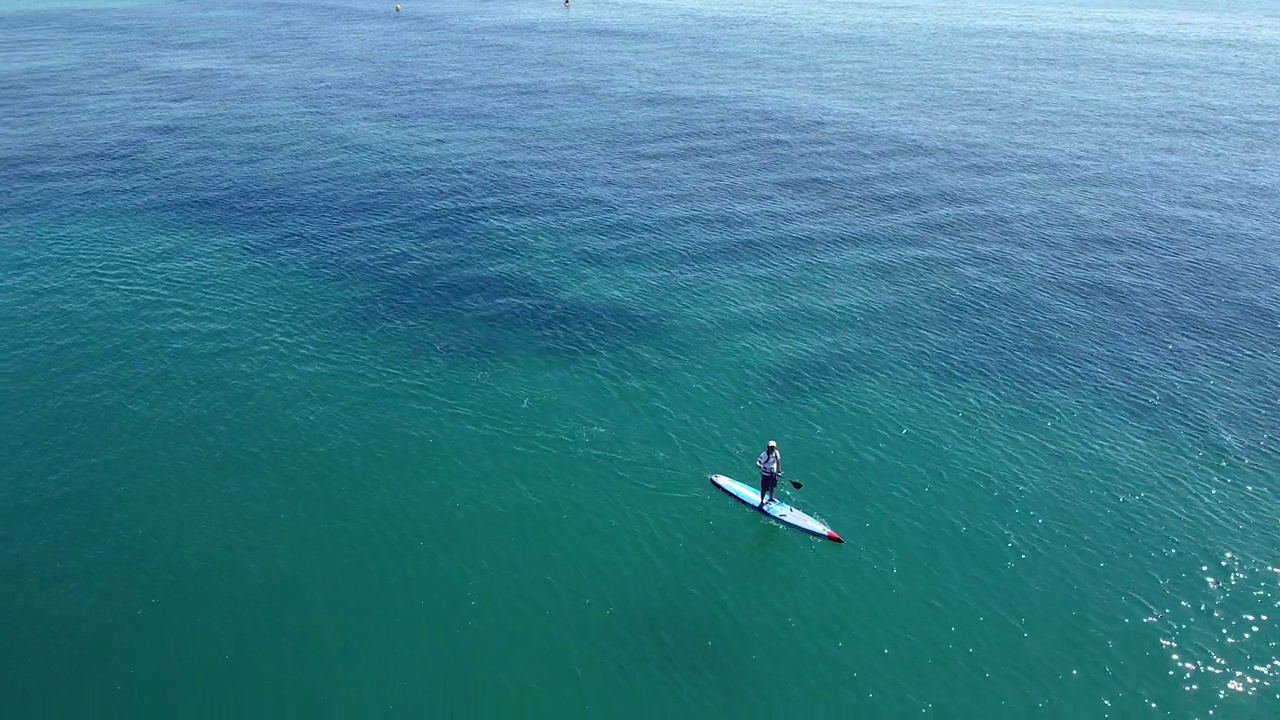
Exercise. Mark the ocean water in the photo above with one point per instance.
(357, 363)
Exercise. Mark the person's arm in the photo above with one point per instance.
(778, 466)
(760, 462)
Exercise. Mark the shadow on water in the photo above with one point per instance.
(484, 313)
(771, 544)
(440, 275)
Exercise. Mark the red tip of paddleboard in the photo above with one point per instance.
(831, 535)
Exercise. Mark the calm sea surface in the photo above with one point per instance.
(357, 363)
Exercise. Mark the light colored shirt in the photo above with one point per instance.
(770, 461)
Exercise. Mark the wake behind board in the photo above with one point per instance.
(776, 509)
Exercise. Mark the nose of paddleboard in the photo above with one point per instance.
(831, 535)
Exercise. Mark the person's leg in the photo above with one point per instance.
(764, 487)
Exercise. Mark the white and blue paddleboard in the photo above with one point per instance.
(775, 509)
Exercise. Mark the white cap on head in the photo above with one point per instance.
(773, 443)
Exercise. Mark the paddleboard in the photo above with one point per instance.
(776, 509)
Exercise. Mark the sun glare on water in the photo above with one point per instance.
(1223, 640)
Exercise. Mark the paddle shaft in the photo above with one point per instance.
(794, 484)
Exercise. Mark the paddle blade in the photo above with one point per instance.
(796, 485)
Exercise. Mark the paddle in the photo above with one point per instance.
(794, 484)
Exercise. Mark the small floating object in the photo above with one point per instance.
(398, 7)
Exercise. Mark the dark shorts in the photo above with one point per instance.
(768, 481)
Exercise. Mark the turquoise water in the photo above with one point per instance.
(370, 364)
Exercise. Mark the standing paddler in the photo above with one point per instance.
(770, 464)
